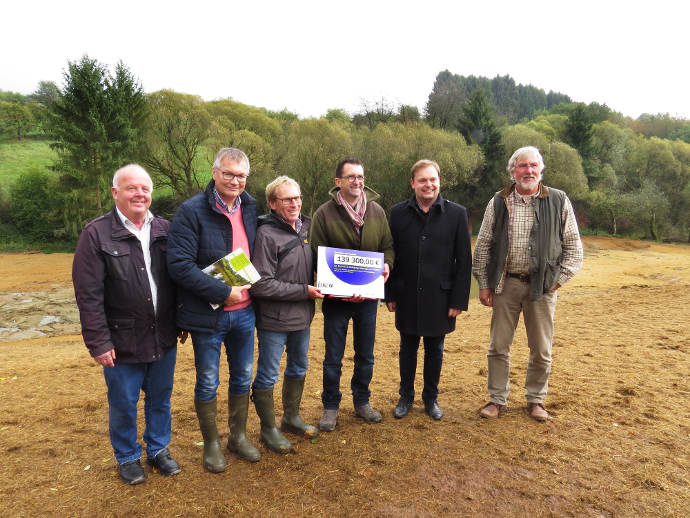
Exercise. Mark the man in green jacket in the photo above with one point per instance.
(351, 219)
(527, 248)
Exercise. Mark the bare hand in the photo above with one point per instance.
(314, 293)
(392, 306)
(182, 335)
(486, 297)
(106, 359)
(386, 272)
(452, 312)
(236, 294)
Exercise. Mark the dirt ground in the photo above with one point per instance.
(617, 444)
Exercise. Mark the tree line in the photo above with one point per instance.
(624, 176)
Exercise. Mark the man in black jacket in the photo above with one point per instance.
(430, 282)
(127, 309)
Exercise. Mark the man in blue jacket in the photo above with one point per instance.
(207, 227)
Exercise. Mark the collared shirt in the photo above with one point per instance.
(224, 206)
(144, 236)
(521, 213)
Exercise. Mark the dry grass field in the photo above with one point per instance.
(617, 444)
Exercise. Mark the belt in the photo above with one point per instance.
(524, 277)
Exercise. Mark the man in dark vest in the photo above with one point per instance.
(527, 248)
(429, 285)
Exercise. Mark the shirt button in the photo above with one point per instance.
(142, 269)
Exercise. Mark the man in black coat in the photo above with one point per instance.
(127, 310)
(430, 282)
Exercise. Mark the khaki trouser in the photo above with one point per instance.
(538, 316)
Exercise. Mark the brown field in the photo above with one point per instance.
(617, 444)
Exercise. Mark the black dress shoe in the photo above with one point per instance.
(132, 473)
(164, 463)
(402, 408)
(434, 410)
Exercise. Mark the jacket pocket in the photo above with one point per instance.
(552, 272)
(123, 336)
(116, 262)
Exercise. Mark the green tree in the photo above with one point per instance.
(311, 151)
(477, 126)
(46, 93)
(563, 170)
(96, 123)
(15, 119)
(34, 205)
(578, 130)
(336, 114)
(179, 125)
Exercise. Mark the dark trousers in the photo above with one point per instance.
(433, 359)
(336, 318)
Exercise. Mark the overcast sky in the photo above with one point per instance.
(309, 56)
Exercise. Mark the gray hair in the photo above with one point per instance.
(522, 153)
(272, 187)
(232, 154)
(127, 168)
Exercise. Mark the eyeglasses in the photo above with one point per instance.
(227, 175)
(352, 178)
(288, 201)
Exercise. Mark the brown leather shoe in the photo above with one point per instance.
(537, 412)
(493, 410)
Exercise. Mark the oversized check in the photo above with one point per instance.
(343, 272)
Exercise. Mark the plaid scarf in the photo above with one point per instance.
(357, 213)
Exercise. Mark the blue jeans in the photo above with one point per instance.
(271, 344)
(433, 360)
(236, 331)
(336, 318)
(125, 381)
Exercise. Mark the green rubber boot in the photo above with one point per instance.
(237, 419)
(270, 436)
(206, 411)
(292, 397)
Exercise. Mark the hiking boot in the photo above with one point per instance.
(328, 420)
(370, 415)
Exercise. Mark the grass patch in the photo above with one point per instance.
(19, 156)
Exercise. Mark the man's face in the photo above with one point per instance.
(351, 182)
(133, 194)
(231, 179)
(426, 184)
(527, 175)
(288, 203)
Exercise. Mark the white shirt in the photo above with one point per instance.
(144, 236)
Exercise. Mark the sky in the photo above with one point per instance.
(310, 56)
